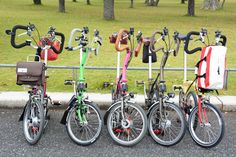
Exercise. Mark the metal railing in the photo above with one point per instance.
(109, 68)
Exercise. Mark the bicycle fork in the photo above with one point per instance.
(81, 111)
(201, 112)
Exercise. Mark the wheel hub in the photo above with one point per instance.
(166, 124)
(35, 121)
(126, 123)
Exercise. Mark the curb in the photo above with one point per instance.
(18, 100)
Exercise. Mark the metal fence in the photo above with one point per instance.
(111, 68)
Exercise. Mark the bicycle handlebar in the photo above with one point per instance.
(13, 36)
(61, 44)
(153, 41)
(162, 34)
(187, 43)
(29, 28)
(83, 40)
(188, 38)
(223, 37)
(118, 39)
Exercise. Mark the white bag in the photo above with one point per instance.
(211, 68)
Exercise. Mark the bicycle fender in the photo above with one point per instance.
(108, 111)
(22, 115)
(70, 105)
(150, 108)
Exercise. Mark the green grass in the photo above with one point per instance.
(170, 13)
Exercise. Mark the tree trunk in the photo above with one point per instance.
(108, 12)
(74, 1)
(88, 2)
(157, 2)
(152, 2)
(222, 4)
(62, 6)
(132, 4)
(182, 1)
(37, 2)
(211, 4)
(191, 7)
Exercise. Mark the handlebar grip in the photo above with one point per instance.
(224, 40)
(188, 38)
(118, 39)
(153, 41)
(13, 37)
(138, 47)
(61, 45)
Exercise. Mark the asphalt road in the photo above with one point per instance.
(55, 141)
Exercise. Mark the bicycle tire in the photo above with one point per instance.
(118, 132)
(28, 130)
(219, 120)
(160, 129)
(92, 129)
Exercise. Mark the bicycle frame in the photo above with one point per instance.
(80, 93)
(80, 85)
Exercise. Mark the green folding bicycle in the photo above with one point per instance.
(82, 118)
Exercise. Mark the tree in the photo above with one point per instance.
(183, 1)
(62, 6)
(108, 11)
(191, 7)
(152, 2)
(37, 2)
(88, 2)
(213, 4)
(132, 4)
(74, 1)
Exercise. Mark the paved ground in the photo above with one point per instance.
(55, 141)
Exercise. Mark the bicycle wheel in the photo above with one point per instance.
(210, 131)
(130, 130)
(168, 130)
(33, 121)
(84, 133)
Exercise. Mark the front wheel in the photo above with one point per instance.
(88, 130)
(210, 127)
(168, 127)
(33, 121)
(130, 129)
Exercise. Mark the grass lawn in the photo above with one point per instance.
(170, 13)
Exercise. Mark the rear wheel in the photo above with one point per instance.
(33, 121)
(88, 131)
(168, 130)
(210, 130)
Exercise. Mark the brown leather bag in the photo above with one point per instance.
(30, 73)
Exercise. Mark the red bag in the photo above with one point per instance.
(51, 54)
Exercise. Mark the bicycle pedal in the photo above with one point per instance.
(56, 103)
(139, 83)
(68, 82)
(177, 87)
(107, 84)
